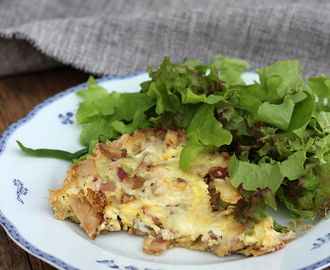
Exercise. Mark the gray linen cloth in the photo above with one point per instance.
(107, 37)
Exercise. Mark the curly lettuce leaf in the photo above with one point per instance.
(231, 69)
(253, 176)
(93, 91)
(252, 207)
(280, 79)
(320, 86)
(277, 115)
(204, 129)
(140, 121)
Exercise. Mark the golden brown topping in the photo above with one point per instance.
(127, 198)
(84, 167)
(111, 152)
(160, 133)
(134, 182)
(89, 209)
(155, 245)
(97, 199)
(181, 183)
(108, 186)
(114, 202)
(171, 138)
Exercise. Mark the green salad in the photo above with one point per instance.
(277, 130)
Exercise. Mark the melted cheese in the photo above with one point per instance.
(149, 194)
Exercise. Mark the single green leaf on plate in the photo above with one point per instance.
(192, 63)
(211, 131)
(254, 176)
(277, 115)
(163, 100)
(204, 129)
(320, 86)
(123, 106)
(190, 151)
(323, 118)
(189, 113)
(139, 122)
(300, 118)
(192, 98)
(111, 102)
(93, 130)
(293, 166)
(52, 153)
(295, 213)
(280, 79)
(94, 91)
(231, 69)
(88, 111)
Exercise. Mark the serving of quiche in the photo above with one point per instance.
(135, 183)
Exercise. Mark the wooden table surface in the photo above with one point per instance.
(18, 96)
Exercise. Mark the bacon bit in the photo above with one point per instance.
(127, 198)
(122, 174)
(155, 245)
(219, 172)
(111, 152)
(108, 186)
(154, 219)
(96, 177)
(135, 231)
(134, 182)
(171, 138)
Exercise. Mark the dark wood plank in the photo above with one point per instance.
(11, 255)
(18, 96)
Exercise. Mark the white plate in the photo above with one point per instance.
(28, 219)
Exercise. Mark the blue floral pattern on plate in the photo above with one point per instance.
(20, 190)
(111, 264)
(321, 241)
(66, 119)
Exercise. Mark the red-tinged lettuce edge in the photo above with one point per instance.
(250, 209)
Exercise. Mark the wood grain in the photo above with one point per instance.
(18, 96)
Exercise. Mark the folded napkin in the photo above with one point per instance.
(107, 37)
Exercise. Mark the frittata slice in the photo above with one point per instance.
(135, 183)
